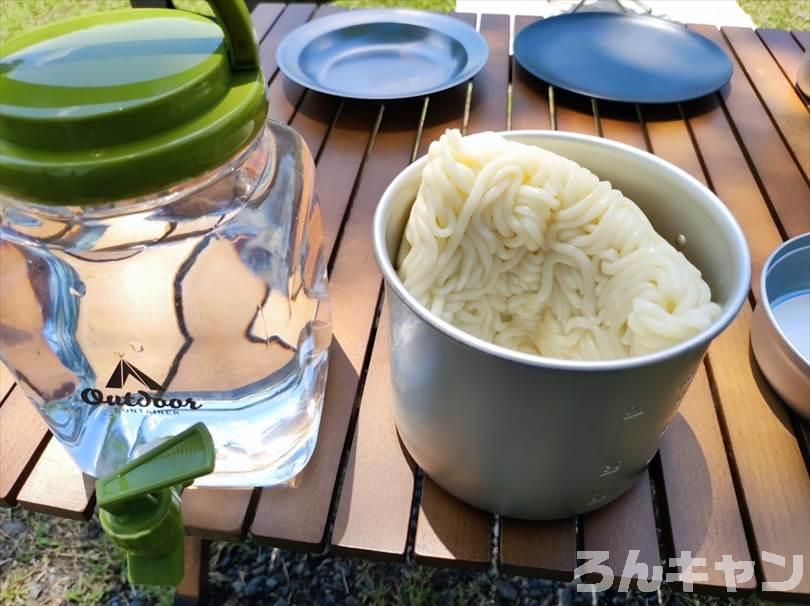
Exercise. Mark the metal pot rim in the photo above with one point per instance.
(735, 300)
(787, 247)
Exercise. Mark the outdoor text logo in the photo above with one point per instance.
(125, 372)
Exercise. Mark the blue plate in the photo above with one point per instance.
(382, 54)
(621, 57)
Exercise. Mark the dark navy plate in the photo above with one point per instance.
(382, 54)
(622, 57)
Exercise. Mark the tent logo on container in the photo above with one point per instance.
(125, 371)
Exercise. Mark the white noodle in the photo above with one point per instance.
(527, 249)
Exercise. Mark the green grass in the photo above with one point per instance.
(425, 5)
(45, 560)
(779, 14)
(17, 16)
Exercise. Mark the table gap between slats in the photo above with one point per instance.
(773, 166)
(6, 382)
(803, 38)
(787, 53)
(778, 95)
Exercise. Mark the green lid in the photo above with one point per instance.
(113, 105)
(140, 505)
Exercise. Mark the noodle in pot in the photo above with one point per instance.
(528, 250)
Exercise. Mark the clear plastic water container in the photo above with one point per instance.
(161, 259)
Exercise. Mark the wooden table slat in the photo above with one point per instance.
(283, 95)
(777, 92)
(216, 513)
(625, 525)
(629, 522)
(56, 486)
(804, 430)
(374, 510)
(293, 16)
(573, 113)
(450, 532)
(773, 478)
(693, 456)
(732, 181)
(783, 180)
(784, 48)
(339, 165)
(530, 107)
(6, 382)
(803, 38)
(491, 85)
(313, 118)
(23, 435)
(296, 515)
(374, 504)
(670, 139)
(445, 110)
(264, 17)
(545, 548)
(619, 123)
(703, 510)
(191, 589)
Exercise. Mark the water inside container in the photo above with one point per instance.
(128, 327)
(792, 314)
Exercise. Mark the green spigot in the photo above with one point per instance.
(140, 505)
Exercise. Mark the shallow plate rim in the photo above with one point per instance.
(294, 42)
(520, 55)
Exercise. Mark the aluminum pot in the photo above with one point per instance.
(785, 276)
(540, 438)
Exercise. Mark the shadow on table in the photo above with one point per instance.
(772, 399)
(400, 115)
(615, 110)
(680, 448)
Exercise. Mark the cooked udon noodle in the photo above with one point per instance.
(526, 249)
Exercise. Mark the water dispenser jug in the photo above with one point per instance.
(161, 259)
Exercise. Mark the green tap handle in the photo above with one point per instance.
(140, 504)
(234, 16)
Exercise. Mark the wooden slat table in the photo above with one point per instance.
(731, 477)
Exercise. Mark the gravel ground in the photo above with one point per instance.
(46, 561)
